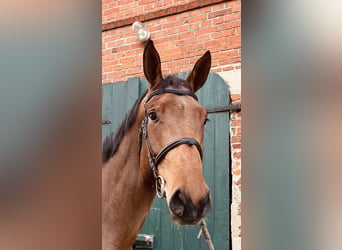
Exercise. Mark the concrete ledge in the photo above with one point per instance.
(233, 79)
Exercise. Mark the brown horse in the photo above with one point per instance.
(158, 145)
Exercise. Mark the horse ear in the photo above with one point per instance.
(200, 72)
(152, 65)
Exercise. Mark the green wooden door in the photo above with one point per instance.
(118, 98)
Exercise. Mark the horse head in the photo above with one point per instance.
(174, 117)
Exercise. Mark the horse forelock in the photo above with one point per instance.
(175, 82)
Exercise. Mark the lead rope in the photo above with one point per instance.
(206, 234)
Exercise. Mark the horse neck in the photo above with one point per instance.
(126, 195)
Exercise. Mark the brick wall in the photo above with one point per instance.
(180, 38)
(182, 30)
(235, 138)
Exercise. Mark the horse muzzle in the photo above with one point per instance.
(184, 212)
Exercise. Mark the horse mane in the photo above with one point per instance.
(112, 141)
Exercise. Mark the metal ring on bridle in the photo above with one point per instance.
(160, 187)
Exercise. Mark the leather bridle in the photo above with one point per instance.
(155, 160)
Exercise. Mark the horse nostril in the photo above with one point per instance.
(177, 203)
(205, 204)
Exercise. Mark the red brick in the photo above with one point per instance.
(206, 23)
(236, 164)
(239, 131)
(183, 28)
(159, 33)
(206, 9)
(197, 18)
(235, 38)
(229, 32)
(215, 35)
(148, 7)
(217, 69)
(236, 138)
(232, 53)
(172, 24)
(194, 26)
(183, 15)
(236, 8)
(167, 58)
(195, 12)
(143, 2)
(223, 54)
(236, 23)
(177, 63)
(237, 155)
(236, 123)
(117, 67)
(108, 57)
(218, 20)
(228, 68)
(192, 47)
(129, 12)
(107, 69)
(127, 59)
(134, 71)
(236, 59)
(182, 36)
(236, 45)
(225, 25)
(237, 172)
(106, 64)
(116, 74)
(230, 4)
(216, 7)
(236, 146)
(235, 97)
(106, 51)
(174, 51)
(157, 4)
(172, 31)
(220, 13)
(205, 37)
(178, 56)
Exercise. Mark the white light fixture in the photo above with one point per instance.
(141, 32)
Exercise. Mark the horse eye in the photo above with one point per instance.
(153, 116)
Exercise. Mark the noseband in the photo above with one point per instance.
(155, 160)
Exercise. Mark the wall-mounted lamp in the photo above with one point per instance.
(141, 32)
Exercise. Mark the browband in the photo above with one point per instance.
(171, 91)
